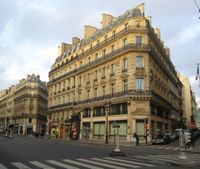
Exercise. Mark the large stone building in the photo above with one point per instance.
(118, 74)
(24, 105)
(189, 104)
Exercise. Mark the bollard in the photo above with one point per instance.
(116, 151)
(182, 155)
(11, 134)
(117, 143)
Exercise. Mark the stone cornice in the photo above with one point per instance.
(112, 98)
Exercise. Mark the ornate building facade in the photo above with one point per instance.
(188, 101)
(119, 74)
(24, 105)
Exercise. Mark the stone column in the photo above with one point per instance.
(91, 124)
(129, 122)
(107, 109)
(81, 125)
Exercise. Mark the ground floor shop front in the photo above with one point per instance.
(98, 123)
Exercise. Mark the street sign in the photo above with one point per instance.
(192, 125)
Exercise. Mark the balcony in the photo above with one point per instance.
(124, 95)
(128, 48)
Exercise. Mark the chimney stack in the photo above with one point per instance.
(75, 40)
(157, 32)
(107, 19)
(141, 8)
(64, 47)
(89, 31)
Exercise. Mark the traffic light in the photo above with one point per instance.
(187, 137)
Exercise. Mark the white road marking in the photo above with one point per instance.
(3, 167)
(20, 165)
(82, 164)
(114, 162)
(130, 161)
(101, 164)
(61, 164)
(39, 164)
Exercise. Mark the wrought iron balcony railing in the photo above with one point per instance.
(128, 93)
(109, 56)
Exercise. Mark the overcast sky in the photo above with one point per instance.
(31, 30)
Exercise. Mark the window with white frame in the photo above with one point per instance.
(112, 88)
(125, 65)
(103, 72)
(140, 84)
(95, 75)
(138, 40)
(125, 85)
(112, 48)
(104, 52)
(139, 61)
(125, 42)
(112, 69)
(96, 56)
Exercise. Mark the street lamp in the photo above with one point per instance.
(5, 125)
(24, 115)
(107, 108)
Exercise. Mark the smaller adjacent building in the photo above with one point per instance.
(189, 104)
(197, 118)
(23, 106)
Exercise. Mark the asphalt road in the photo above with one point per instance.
(28, 152)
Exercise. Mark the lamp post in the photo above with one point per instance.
(5, 125)
(24, 115)
(107, 108)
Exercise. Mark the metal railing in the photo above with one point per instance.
(128, 93)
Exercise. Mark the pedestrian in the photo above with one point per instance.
(42, 133)
(135, 139)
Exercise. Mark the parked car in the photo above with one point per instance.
(162, 139)
(172, 136)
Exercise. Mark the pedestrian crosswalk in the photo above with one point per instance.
(129, 162)
(163, 147)
(169, 158)
(81, 163)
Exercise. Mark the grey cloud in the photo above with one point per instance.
(42, 25)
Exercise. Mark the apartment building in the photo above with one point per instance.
(188, 101)
(119, 74)
(23, 106)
